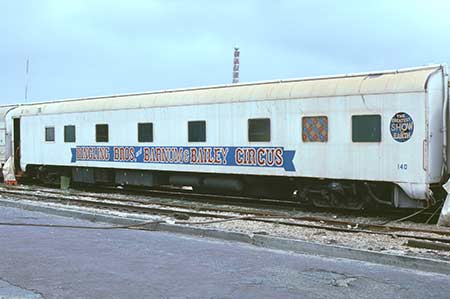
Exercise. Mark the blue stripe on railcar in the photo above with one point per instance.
(274, 157)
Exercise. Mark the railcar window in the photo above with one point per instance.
(50, 134)
(101, 133)
(259, 129)
(197, 131)
(145, 132)
(315, 129)
(366, 128)
(69, 133)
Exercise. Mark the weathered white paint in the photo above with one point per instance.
(226, 110)
(399, 81)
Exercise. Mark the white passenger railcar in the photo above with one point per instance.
(343, 141)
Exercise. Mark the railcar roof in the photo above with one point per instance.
(383, 82)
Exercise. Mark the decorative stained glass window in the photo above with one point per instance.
(315, 129)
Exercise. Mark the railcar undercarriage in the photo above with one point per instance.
(354, 195)
(324, 193)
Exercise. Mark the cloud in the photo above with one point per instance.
(83, 48)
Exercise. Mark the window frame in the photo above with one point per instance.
(188, 129)
(96, 133)
(74, 134)
(54, 134)
(152, 132)
(379, 140)
(256, 119)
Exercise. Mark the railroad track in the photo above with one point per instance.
(162, 201)
(204, 198)
(220, 214)
(205, 202)
(252, 202)
(262, 203)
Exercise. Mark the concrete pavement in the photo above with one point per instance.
(77, 263)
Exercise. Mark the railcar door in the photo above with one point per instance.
(2, 142)
(16, 145)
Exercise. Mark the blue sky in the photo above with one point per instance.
(80, 48)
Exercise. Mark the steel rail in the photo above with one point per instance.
(333, 224)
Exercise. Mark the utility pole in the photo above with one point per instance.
(26, 78)
(236, 65)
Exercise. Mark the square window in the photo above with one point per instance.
(197, 131)
(50, 134)
(315, 129)
(366, 128)
(145, 132)
(69, 133)
(259, 129)
(101, 133)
